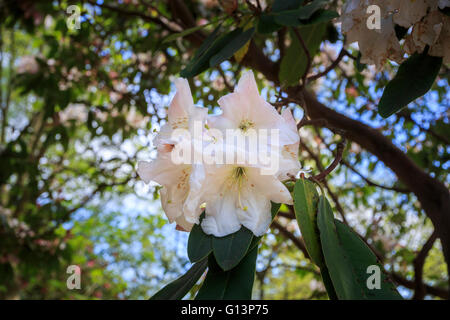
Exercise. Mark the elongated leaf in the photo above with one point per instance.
(208, 49)
(347, 258)
(283, 5)
(234, 44)
(293, 17)
(414, 78)
(199, 244)
(177, 289)
(361, 257)
(184, 33)
(294, 63)
(230, 250)
(305, 205)
(235, 284)
(321, 15)
(266, 24)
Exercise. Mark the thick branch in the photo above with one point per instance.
(419, 261)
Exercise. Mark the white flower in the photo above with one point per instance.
(173, 177)
(408, 12)
(434, 31)
(240, 194)
(233, 193)
(376, 45)
(245, 109)
(289, 164)
(27, 64)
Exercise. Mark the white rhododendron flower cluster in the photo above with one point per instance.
(235, 192)
(426, 25)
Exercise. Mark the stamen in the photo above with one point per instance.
(245, 125)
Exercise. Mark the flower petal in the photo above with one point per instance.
(221, 219)
(255, 214)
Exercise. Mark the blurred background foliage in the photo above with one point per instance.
(80, 107)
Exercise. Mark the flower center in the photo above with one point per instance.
(238, 176)
(245, 125)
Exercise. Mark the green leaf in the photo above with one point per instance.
(266, 24)
(321, 16)
(177, 289)
(184, 33)
(292, 17)
(294, 63)
(199, 244)
(230, 250)
(208, 49)
(305, 206)
(414, 78)
(347, 258)
(234, 44)
(235, 284)
(282, 5)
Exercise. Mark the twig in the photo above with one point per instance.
(339, 151)
(296, 240)
(419, 261)
(329, 68)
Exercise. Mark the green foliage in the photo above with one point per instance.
(199, 244)
(234, 284)
(231, 249)
(294, 63)
(305, 204)
(72, 132)
(177, 289)
(414, 78)
(347, 258)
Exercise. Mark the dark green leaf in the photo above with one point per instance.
(208, 49)
(294, 63)
(282, 5)
(184, 33)
(233, 45)
(266, 24)
(321, 16)
(305, 205)
(230, 250)
(347, 258)
(292, 17)
(199, 244)
(235, 284)
(414, 78)
(177, 289)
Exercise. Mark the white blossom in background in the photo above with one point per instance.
(27, 64)
(428, 26)
(74, 111)
(376, 45)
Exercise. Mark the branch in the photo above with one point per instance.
(339, 151)
(333, 65)
(296, 240)
(419, 261)
(370, 182)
